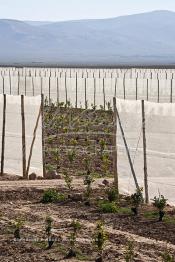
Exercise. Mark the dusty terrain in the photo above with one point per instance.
(21, 199)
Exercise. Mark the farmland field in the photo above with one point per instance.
(77, 148)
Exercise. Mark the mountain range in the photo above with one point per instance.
(147, 38)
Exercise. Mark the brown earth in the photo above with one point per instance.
(23, 199)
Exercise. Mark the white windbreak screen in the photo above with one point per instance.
(160, 142)
(13, 134)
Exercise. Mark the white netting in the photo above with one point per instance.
(160, 141)
(13, 134)
(60, 84)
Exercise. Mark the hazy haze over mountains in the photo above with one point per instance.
(143, 38)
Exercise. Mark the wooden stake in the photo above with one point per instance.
(43, 143)
(33, 141)
(23, 138)
(76, 103)
(3, 135)
(144, 154)
(127, 151)
(115, 147)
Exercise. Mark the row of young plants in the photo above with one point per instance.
(72, 135)
(100, 238)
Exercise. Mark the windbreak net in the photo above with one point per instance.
(160, 147)
(13, 156)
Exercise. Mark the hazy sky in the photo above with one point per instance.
(56, 10)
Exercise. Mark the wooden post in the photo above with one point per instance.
(57, 91)
(171, 94)
(10, 82)
(115, 147)
(104, 93)
(66, 87)
(25, 79)
(136, 88)
(158, 91)
(43, 142)
(144, 154)
(76, 103)
(94, 92)
(23, 138)
(127, 151)
(124, 88)
(85, 92)
(18, 83)
(49, 92)
(33, 90)
(33, 141)
(3, 135)
(115, 87)
(3, 84)
(147, 86)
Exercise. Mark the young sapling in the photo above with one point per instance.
(136, 201)
(160, 203)
(99, 240)
(76, 226)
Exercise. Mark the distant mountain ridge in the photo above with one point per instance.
(147, 38)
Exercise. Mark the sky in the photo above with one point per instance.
(62, 10)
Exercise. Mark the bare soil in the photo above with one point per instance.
(22, 199)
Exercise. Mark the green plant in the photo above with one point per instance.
(129, 252)
(136, 200)
(167, 257)
(68, 180)
(99, 239)
(48, 229)
(112, 194)
(51, 195)
(102, 144)
(76, 226)
(105, 162)
(18, 224)
(71, 155)
(160, 203)
(108, 207)
(88, 181)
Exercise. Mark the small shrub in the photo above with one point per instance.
(48, 229)
(136, 200)
(160, 203)
(51, 195)
(167, 257)
(68, 180)
(108, 207)
(112, 194)
(129, 252)
(88, 180)
(76, 226)
(71, 155)
(18, 224)
(99, 239)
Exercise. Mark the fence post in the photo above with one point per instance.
(158, 91)
(94, 92)
(43, 143)
(144, 154)
(171, 94)
(127, 151)
(3, 135)
(76, 102)
(115, 146)
(147, 89)
(23, 138)
(104, 100)
(85, 93)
